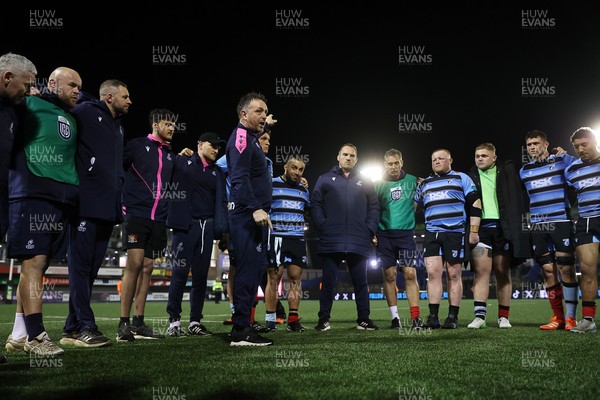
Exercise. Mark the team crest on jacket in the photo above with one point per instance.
(132, 238)
(64, 128)
(82, 227)
(396, 193)
(566, 242)
(358, 183)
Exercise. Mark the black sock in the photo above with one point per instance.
(434, 309)
(34, 325)
(138, 320)
(453, 312)
(124, 320)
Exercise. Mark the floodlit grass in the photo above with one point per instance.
(343, 363)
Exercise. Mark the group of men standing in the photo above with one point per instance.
(68, 166)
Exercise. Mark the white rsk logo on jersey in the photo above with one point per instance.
(442, 194)
(30, 245)
(540, 183)
(595, 181)
(147, 148)
(82, 227)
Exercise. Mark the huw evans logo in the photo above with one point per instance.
(291, 87)
(537, 19)
(414, 55)
(168, 55)
(44, 19)
(291, 19)
(414, 123)
(537, 87)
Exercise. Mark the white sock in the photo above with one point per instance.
(270, 317)
(232, 308)
(192, 323)
(394, 311)
(19, 329)
(174, 323)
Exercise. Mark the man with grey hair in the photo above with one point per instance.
(17, 74)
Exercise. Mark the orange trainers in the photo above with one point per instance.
(570, 323)
(280, 320)
(554, 324)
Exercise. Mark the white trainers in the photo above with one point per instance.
(43, 346)
(504, 323)
(583, 326)
(478, 323)
(13, 344)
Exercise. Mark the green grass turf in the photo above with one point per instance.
(343, 363)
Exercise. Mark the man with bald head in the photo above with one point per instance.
(443, 196)
(43, 186)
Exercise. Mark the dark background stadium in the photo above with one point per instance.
(198, 62)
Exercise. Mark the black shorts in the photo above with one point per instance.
(38, 227)
(396, 249)
(491, 234)
(549, 237)
(144, 233)
(284, 251)
(449, 245)
(587, 230)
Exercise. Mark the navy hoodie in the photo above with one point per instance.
(251, 183)
(148, 165)
(99, 161)
(198, 191)
(345, 211)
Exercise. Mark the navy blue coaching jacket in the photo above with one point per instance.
(148, 165)
(345, 211)
(99, 161)
(251, 181)
(197, 192)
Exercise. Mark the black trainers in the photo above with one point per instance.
(366, 325)
(417, 324)
(124, 333)
(396, 324)
(295, 327)
(248, 337)
(323, 325)
(433, 322)
(176, 331)
(91, 338)
(228, 321)
(270, 327)
(450, 323)
(198, 330)
(258, 328)
(145, 332)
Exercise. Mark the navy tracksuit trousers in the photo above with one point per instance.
(357, 267)
(191, 249)
(88, 241)
(250, 242)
